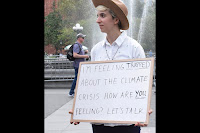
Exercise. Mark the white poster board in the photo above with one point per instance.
(113, 91)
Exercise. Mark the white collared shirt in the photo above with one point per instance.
(128, 49)
(124, 47)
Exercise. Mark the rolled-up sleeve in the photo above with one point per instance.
(76, 48)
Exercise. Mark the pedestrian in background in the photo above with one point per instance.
(79, 55)
(150, 53)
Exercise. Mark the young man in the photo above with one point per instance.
(79, 56)
(111, 18)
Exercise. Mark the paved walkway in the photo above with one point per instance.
(59, 122)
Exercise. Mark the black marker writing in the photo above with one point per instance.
(90, 82)
(80, 111)
(140, 94)
(138, 65)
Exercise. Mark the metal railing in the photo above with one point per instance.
(58, 69)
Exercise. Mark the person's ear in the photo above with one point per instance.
(116, 21)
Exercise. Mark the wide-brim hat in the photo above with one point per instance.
(118, 7)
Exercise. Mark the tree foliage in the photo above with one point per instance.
(59, 23)
(72, 12)
(52, 27)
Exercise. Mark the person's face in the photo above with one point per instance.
(105, 21)
(81, 39)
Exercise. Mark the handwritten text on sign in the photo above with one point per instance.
(113, 91)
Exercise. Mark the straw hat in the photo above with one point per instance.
(118, 7)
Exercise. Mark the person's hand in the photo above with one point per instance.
(87, 56)
(71, 122)
(86, 51)
(137, 124)
(150, 111)
(140, 124)
(143, 125)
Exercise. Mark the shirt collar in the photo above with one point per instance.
(79, 44)
(118, 41)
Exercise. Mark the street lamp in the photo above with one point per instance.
(77, 28)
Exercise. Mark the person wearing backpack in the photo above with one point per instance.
(79, 55)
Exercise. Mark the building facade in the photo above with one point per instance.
(48, 6)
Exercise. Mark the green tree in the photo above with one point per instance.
(67, 36)
(72, 12)
(52, 28)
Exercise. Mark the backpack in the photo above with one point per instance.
(70, 53)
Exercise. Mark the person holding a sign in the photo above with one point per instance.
(111, 18)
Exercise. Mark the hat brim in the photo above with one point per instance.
(119, 13)
(80, 35)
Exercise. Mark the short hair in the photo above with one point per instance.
(103, 8)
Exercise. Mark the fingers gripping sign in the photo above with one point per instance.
(137, 124)
(71, 122)
(141, 124)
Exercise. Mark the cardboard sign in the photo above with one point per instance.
(113, 91)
